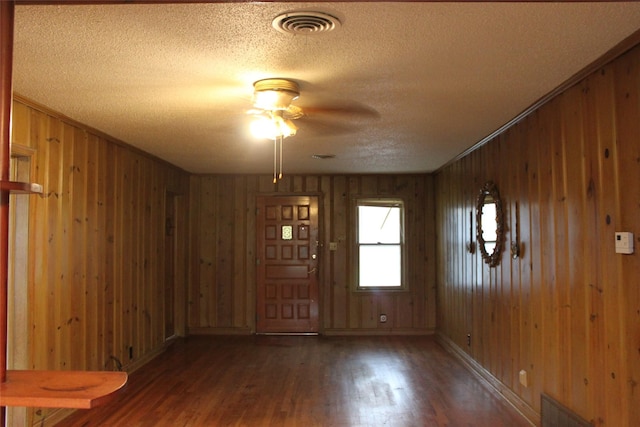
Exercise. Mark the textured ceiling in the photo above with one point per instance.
(404, 87)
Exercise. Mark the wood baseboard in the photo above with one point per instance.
(377, 332)
(53, 417)
(219, 331)
(486, 378)
(326, 332)
(138, 363)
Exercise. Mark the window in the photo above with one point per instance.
(379, 243)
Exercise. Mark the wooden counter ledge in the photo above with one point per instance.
(21, 187)
(60, 389)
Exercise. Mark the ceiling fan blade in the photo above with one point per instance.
(316, 127)
(293, 112)
(345, 109)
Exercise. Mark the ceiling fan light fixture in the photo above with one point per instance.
(291, 129)
(272, 126)
(273, 97)
(262, 127)
(274, 94)
(323, 156)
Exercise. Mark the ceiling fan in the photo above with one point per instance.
(272, 104)
(274, 114)
(273, 109)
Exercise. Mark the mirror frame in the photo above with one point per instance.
(490, 189)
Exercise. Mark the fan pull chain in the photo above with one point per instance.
(275, 159)
(280, 176)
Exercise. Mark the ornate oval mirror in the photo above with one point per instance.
(489, 223)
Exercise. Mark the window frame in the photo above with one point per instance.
(382, 202)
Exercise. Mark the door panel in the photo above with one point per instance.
(287, 294)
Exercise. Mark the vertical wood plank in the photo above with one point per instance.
(578, 184)
(239, 231)
(610, 195)
(207, 303)
(195, 255)
(100, 250)
(93, 326)
(324, 186)
(112, 221)
(224, 252)
(355, 302)
(340, 281)
(250, 260)
(80, 293)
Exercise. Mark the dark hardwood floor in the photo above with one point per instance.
(303, 381)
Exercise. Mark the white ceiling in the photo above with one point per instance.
(422, 81)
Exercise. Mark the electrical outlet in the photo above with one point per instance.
(333, 246)
(383, 318)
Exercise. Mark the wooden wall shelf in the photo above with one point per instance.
(60, 389)
(21, 187)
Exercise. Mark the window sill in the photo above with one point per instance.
(381, 290)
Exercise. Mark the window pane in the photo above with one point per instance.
(378, 224)
(287, 232)
(380, 266)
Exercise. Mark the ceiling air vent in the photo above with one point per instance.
(305, 23)
(323, 156)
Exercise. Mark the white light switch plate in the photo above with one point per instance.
(524, 378)
(624, 242)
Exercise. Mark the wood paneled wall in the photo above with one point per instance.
(96, 246)
(567, 311)
(221, 297)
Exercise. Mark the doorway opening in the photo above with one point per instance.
(18, 273)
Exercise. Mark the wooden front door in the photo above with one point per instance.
(287, 294)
